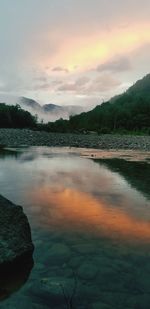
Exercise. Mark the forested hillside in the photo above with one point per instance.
(127, 112)
(14, 117)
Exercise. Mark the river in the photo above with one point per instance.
(90, 223)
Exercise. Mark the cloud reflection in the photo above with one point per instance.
(71, 209)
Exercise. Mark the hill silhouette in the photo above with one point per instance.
(128, 112)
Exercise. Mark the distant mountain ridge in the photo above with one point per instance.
(141, 87)
(128, 112)
(50, 111)
(47, 112)
(50, 107)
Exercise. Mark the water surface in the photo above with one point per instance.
(90, 224)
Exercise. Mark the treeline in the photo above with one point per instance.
(15, 117)
(126, 114)
(129, 112)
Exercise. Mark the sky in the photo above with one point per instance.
(70, 52)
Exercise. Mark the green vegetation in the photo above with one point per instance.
(14, 117)
(129, 112)
(126, 113)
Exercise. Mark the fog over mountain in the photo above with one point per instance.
(47, 112)
(50, 111)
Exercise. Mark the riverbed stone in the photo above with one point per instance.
(17, 137)
(85, 248)
(53, 289)
(87, 271)
(100, 305)
(59, 254)
(75, 261)
(15, 234)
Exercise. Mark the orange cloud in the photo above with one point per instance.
(96, 48)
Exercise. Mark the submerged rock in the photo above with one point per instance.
(87, 271)
(59, 254)
(53, 290)
(15, 234)
(100, 305)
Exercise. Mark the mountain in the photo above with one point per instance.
(29, 103)
(141, 87)
(70, 109)
(129, 111)
(51, 107)
(49, 112)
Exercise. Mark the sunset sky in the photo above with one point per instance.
(72, 51)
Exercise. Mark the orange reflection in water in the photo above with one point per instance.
(68, 208)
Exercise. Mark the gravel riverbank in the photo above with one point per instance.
(17, 137)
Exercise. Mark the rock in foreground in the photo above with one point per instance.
(15, 234)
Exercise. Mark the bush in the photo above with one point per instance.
(104, 131)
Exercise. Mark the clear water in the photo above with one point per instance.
(90, 226)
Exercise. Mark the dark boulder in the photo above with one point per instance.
(15, 234)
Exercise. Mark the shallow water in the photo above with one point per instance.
(90, 224)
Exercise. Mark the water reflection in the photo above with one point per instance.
(136, 173)
(75, 210)
(6, 152)
(88, 222)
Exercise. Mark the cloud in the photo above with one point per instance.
(64, 37)
(41, 78)
(42, 86)
(76, 86)
(103, 83)
(115, 65)
(82, 81)
(56, 82)
(85, 85)
(60, 69)
(68, 87)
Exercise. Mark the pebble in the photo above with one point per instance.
(58, 254)
(87, 271)
(19, 137)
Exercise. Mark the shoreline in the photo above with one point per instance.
(26, 137)
(88, 153)
(127, 155)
